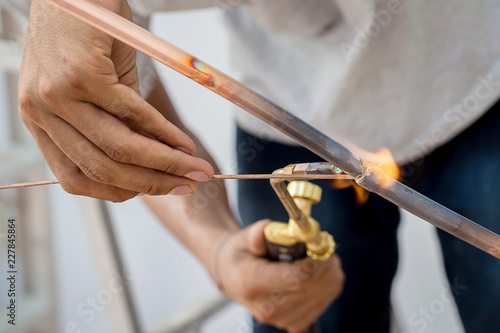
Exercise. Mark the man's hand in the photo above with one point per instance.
(290, 296)
(80, 100)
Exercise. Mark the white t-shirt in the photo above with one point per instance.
(407, 75)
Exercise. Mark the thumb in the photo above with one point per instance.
(255, 238)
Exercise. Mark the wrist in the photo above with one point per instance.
(209, 247)
(199, 227)
(216, 262)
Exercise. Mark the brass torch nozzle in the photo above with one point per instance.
(297, 199)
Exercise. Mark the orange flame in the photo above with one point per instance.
(360, 194)
(384, 160)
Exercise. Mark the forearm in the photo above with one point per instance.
(243, 273)
(199, 229)
(201, 220)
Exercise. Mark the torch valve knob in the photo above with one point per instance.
(305, 190)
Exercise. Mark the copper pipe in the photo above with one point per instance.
(284, 177)
(29, 184)
(306, 135)
(215, 177)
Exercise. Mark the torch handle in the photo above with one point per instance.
(278, 252)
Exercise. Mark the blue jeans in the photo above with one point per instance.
(462, 175)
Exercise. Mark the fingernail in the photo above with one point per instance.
(185, 150)
(198, 176)
(182, 190)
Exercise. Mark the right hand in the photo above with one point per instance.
(79, 98)
(288, 295)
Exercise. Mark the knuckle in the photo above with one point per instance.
(96, 171)
(340, 275)
(74, 79)
(258, 316)
(52, 89)
(335, 284)
(248, 292)
(271, 314)
(129, 116)
(118, 152)
(77, 187)
(336, 274)
(338, 287)
(170, 167)
(70, 188)
(158, 131)
(323, 304)
(299, 325)
(266, 316)
(49, 93)
(27, 108)
(151, 188)
(306, 282)
(71, 180)
(25, 100)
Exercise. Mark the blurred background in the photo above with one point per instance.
(68, 278)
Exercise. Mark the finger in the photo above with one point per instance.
(296, 274)
(288, 277)
(131, 108)
(72, 180)
(255, 240)
(310, 307)
(337, 264)
(311, 302)
(306, 312)
(312, 273)
(298, 308)
(99, 167)
(123, 145)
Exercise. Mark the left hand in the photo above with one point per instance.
(288, 295)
